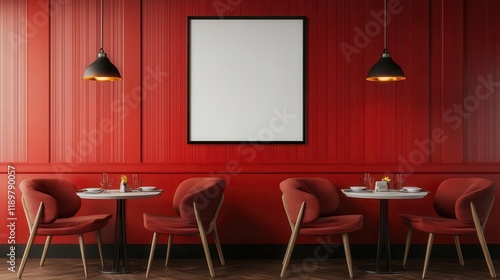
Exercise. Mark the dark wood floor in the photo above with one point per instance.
(180, 269)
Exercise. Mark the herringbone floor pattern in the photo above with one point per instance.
(299, 269)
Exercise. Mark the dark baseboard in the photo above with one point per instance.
(255, 251)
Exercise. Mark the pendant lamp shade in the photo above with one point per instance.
(385, 70)
(102, 70)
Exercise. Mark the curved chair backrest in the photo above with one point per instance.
(58, 196)
(205, 192)
(320, 195)
(453, 198)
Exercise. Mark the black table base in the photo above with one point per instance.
(120, 257)
(384, 245)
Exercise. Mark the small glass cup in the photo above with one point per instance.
(369, 182)
(135, 181)
(400, 181)
(110, 183)
(104, 180)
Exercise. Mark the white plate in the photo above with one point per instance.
(412, 189)
(147, 188)
(93, 189)
(358, 188)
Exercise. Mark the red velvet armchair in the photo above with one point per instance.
(462, 206)
(310, 205)
(197, 202)
(50, 206)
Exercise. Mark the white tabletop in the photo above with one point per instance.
(391, 194)
(116, 194)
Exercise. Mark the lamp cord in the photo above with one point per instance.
(385, 25)
(102, 25)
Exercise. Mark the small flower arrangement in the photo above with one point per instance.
(123, 184)
(387, 180)
(123, 179)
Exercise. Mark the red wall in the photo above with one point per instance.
(441, 122)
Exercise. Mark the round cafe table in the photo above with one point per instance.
(384, 243)
(120, 257)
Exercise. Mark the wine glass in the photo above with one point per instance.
(104, 180)
(369, 181)
(400, 181)
(110, 183)
(135, 181)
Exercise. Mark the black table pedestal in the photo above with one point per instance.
(120, 257)
(384, 245)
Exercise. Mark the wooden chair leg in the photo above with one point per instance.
(486, 253)
(152, 253)
(99, 246)
(347, 250)
(292, 226)
(407, 246)
(82, 251)
(293, 238)
(27, 250)
(204, 240)
(289, 250)
(26, 253)
(482, 241)
(459, 250)
(217, 245)
(169, 247)
(428, 253)
(45, 249)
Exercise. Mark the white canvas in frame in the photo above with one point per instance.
(246, 80)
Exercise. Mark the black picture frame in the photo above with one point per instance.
(246, 80)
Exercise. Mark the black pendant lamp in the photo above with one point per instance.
(385, 70)
(102, 70)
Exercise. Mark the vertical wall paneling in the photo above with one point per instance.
(38, 21)
(348, 96)
(86, 117)
(481, 121)
(452, 79)
(447, 76)
(435, 74)
(412, 101)
(496, 76)
(158, 44)
(132, 86)
(447, 49)
(13, 81)
(335, 12)
(475, 48)
(349, 120)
